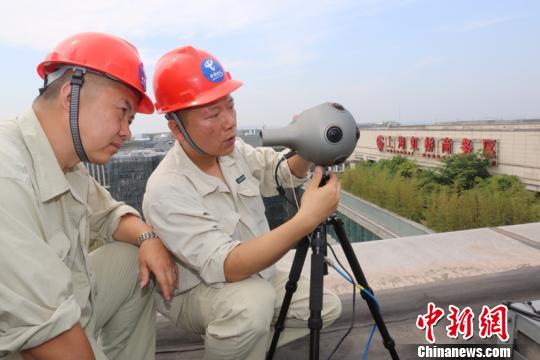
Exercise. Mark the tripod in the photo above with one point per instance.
(318, 244)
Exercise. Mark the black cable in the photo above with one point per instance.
(340, 264)
(279, 188)
(353, 306)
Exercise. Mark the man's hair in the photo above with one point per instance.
(91, 81)
(52, 90)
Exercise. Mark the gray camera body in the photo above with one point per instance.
(325, 134)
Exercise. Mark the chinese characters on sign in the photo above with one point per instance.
(491, 322)
(429, 144)
(446, 146)
(414, 143)
(466, 146)
(390, 143)
(401, 142)
(437, 148)
(380, 142)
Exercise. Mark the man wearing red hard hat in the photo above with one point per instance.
(57, 300)
(204, 201)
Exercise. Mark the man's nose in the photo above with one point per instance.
(229, 119)
(125, 131)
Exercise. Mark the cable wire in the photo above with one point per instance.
(293, 188)
(347, 276)
(280, 189)
(368, 343)
(353, 309)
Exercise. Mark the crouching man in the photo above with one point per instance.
(57, 301)
(204, 201)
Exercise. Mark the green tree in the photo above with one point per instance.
(462, 170)
(459, 195)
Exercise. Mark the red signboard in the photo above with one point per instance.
(432, 149)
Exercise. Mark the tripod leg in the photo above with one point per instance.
(389, 343)
(290, 288)
(318, 246)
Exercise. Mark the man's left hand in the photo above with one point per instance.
(156, 259)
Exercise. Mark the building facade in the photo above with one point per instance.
(513, 147)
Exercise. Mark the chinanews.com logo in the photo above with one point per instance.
(461, 324)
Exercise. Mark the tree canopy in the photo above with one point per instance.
(461, 194)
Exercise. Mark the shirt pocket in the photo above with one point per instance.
(61, 244)
(249, 194)
(229, 221)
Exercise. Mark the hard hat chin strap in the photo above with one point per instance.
(185, 134)
(77, 80)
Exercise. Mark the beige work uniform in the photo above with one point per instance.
(201, 219)
(48, 281)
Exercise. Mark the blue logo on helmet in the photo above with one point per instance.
(212, 70)
(142, 77)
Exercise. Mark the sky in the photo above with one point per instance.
(411, 61)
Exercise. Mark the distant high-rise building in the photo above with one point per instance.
(129, 174)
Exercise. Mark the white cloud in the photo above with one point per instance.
(40, 24)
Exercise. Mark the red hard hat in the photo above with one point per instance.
(186, 77)
(106, 54)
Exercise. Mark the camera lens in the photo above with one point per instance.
(334, 134)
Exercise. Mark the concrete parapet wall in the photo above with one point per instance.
(416, 260)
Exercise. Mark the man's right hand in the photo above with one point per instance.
(261, 252)
(72, 344)
(319, 202)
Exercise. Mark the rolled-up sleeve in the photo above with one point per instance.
(189, 230)
(262, 162)
(36, 297)
(105, 212)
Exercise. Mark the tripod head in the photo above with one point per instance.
(325, 134)
(325, 177)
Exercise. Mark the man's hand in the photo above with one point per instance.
(156, 259)
(153, 256)
(319, 202)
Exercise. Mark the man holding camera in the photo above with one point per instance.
(204, 200)
(57, 301)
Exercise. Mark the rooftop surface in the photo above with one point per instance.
(464, 268)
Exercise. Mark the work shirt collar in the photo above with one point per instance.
(204, 183)
(49, 176)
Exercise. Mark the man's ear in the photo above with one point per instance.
(65, 95)
(175, 130)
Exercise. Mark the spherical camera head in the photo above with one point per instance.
(325, 134)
